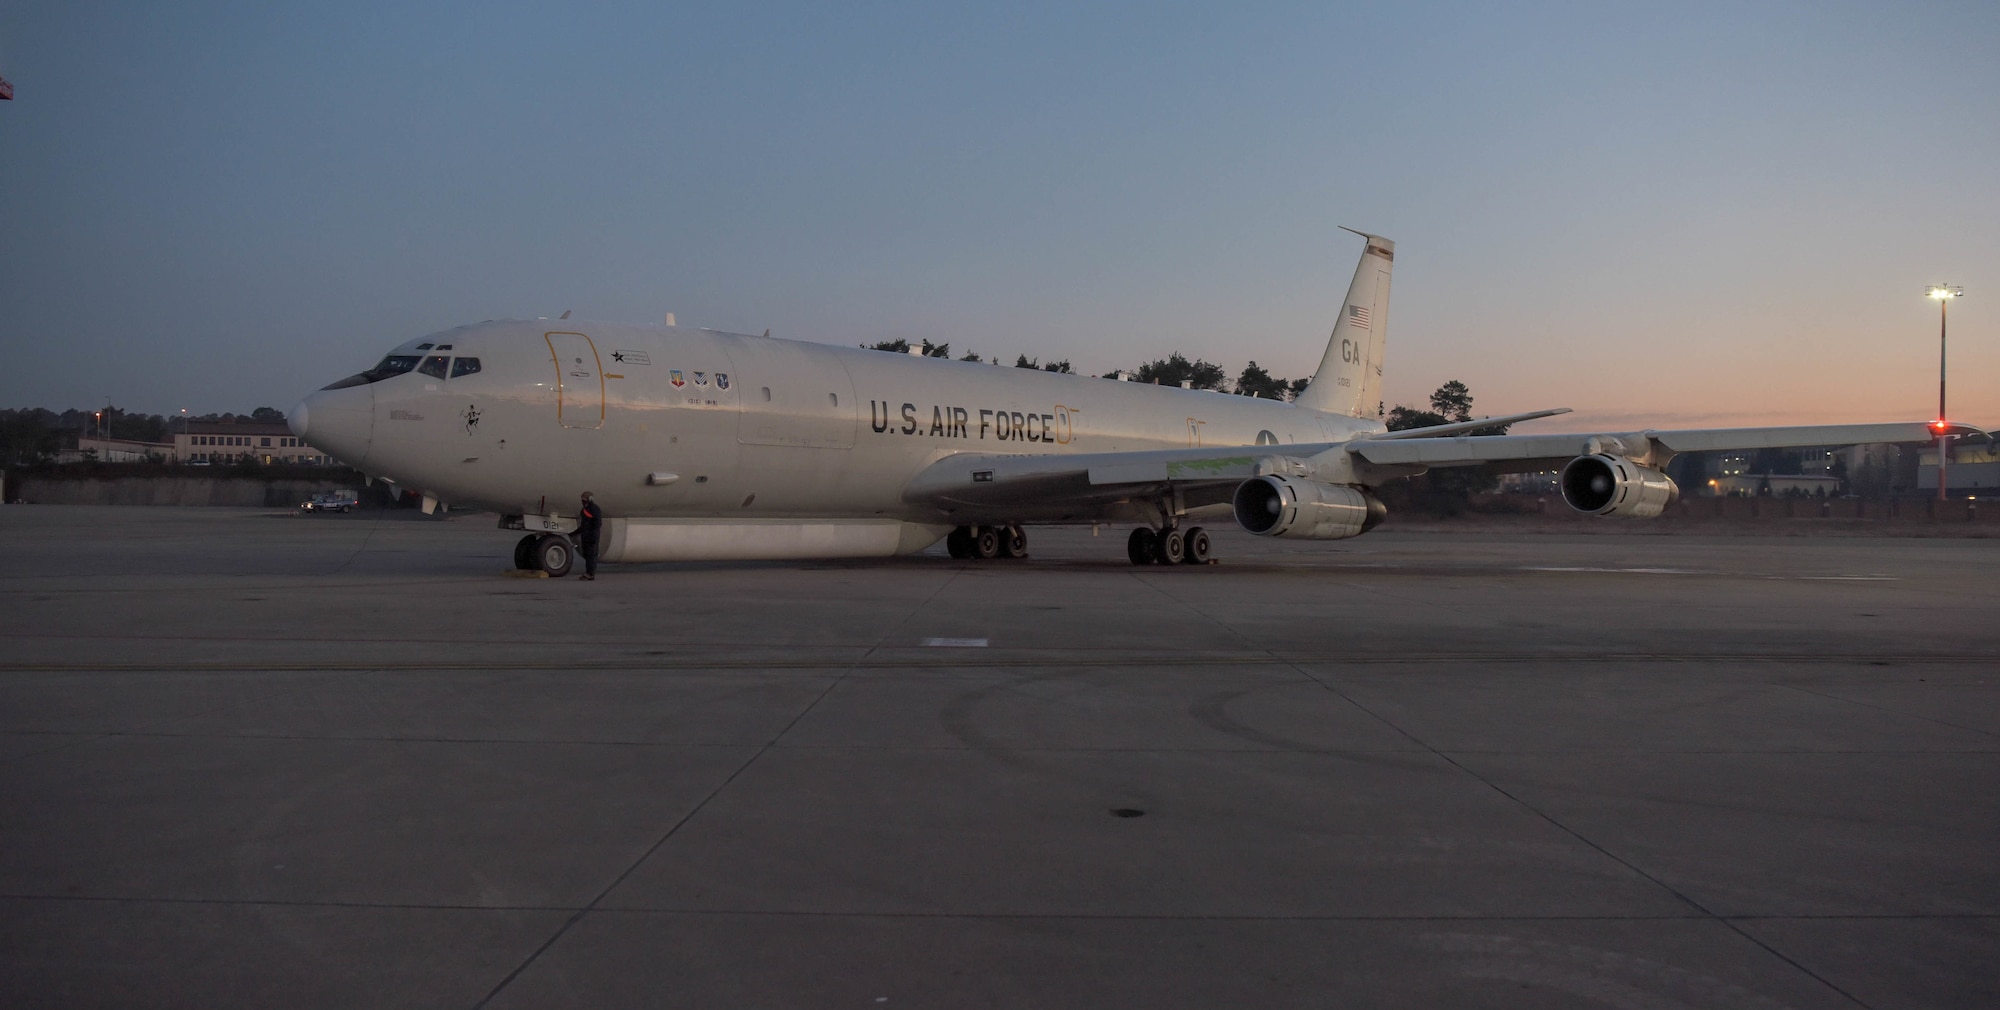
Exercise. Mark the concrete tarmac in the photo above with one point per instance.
(258, 759)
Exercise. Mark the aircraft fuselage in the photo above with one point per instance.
(675, 422)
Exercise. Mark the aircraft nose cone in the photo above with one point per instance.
(338, 422)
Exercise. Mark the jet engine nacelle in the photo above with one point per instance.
(1606, 485)
(1281, 506)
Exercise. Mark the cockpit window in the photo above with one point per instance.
(464, 366)
(435, 365)
(394, 364)
(423, 347)
(391, 366)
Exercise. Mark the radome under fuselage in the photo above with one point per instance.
(673, 422)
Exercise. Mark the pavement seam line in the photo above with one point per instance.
(1054, 916)
(1885, 710)
(1227, 629)
(869, 653)
(1550, 819)
(672, 829)
(1007, 658)
(87, 736)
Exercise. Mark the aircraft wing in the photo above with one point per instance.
(1199, 476)
(1053, 484)
(1532, 451)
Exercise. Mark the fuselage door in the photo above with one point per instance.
(579, 380)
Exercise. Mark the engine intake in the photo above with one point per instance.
(1606, 485)
(1279, 506)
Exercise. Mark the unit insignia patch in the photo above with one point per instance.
(675, 378)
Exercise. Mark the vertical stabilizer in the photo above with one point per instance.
(1349, 380)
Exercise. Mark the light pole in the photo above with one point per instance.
(1944, 293)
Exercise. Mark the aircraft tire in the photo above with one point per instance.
(1140, 546)
(958, 543)
(986, 543)
(524, 552)
(1013, 542)
(555, 555)
(1195, 546)
(1170, 548)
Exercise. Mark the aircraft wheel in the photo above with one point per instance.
(1195, 549)
(1013, 542)
(958, 543)
(524, 552)
(1140, 546)
(554, 554)
(1170, 548)
(986, 543)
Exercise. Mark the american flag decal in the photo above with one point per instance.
(1358, 315)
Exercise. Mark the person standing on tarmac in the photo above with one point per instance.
(590, 519)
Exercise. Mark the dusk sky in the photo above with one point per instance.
(1663, 215)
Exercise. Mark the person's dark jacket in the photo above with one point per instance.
(589, 520)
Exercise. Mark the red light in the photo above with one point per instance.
(1940, 426)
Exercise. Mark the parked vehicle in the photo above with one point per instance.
(331, 501)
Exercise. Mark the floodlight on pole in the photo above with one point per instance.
(1944, 293)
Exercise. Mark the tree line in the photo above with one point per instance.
(1451, 402)
(35, 434)
(1172, 370)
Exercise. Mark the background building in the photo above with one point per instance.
(115, 450)
(1973, 469)
(1769, 485)
(235, 441)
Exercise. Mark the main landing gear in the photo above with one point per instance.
(1169, 546)
(982, 543)
(550, 552)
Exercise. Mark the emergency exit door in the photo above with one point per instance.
(579, 380)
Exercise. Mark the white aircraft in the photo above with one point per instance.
(708, 445)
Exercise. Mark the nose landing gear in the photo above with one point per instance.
(550, 552)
